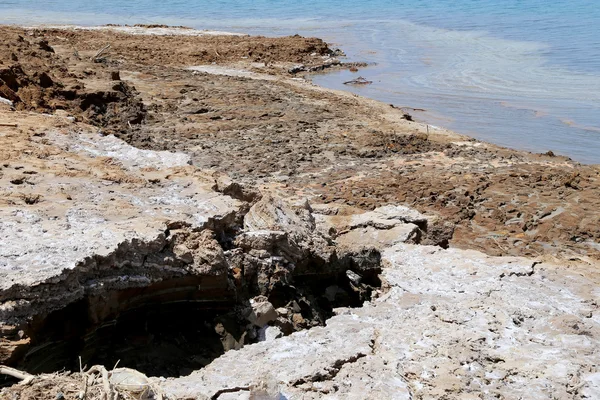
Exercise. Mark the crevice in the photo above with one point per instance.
(330, 372)
(230, 390)
(522, 274)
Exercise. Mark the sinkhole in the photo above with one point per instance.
(180, 325)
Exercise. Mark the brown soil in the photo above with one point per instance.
(36, 78)
(288, 136)
(184, 51)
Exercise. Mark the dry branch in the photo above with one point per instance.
(358, 81)
(15, 373)
(99, 53)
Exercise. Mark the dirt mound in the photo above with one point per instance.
(32, 76)
(35, 78)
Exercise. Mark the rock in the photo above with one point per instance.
(285, 325)
(262, 313)
(276, 214)
(201, 251)
(359, 81)
(228, 340)
(282, 311)
(43, 44)
(115, 75)
(380, 228)
(371, 237)
(445, 328)
(269, 333)
(6, 102)
(129, 380)
(303, 246)
(337, 53)
(294, 307)
(45, 80)
(381, 218)
(224, 184)
(85, 237)
(298, 320)
(354, 277)
(297, 68)
(9, 94)
(261, 240)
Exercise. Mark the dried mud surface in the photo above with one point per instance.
(286, 136)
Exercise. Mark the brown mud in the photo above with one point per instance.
(289, 137)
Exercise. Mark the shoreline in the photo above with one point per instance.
(433, 114)
(137, 29)
(193, 187)
(435, 148)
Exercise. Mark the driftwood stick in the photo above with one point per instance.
(358, 81)
(15, 373)
(102, 50)
(407, 107)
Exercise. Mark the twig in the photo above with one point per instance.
(156, 391)
(407, 107)
(498, 244)
(107, 388)
(412, 108)
(115, 367)
(85, 380)
(9, 125)
(102, 50)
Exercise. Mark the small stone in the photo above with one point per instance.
(282, 311)
(269, 333)
(43, 44)
(262, 313)
(294, 306)
(354, 277)
(297, 68)
(45, 80)
(297, 319)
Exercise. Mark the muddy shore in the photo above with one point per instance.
(231, 124)
(283, 134)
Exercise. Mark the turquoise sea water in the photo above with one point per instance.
(521, 73)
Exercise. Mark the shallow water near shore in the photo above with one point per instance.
(525, 74)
